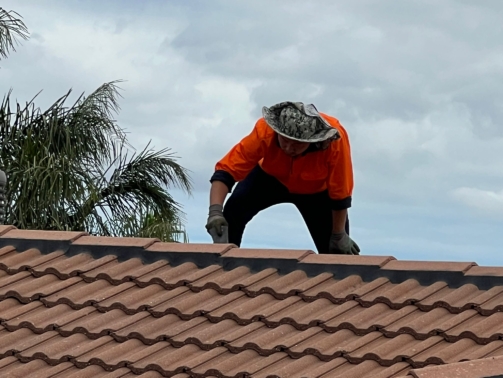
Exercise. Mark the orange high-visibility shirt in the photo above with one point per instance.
(312, 172)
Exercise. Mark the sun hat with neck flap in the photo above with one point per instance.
(300, 122)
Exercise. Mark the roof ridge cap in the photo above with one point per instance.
(229, 256)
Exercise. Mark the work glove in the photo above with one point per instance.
(342, 244)
(217, 225)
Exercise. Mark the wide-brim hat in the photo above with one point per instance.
(299, 122)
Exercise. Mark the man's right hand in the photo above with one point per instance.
(341, 243)
(216, 222)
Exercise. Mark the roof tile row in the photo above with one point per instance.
(76, 305)
(62, 272)
(354, 346)
(329, 318)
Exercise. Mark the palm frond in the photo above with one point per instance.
(40, 190)
(11, 28)
(136, 182)
(92, 125)
(85, 130)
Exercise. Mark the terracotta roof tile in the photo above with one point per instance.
(494, 353)
(268, 254)
(108, 241)
(14, 262)
(64, 267)
(83, 306)
(421, 324)
(173, 276)
(41, 318)
(6, 228)
(360, 370)
(338, 366)
(492, 305)
(18, 341)
(29, 288)
(14, 233)
(485, 271)
(82, 294)
(117, 272)
(219, 249)
(303, 314)
(406, 292)
(32, 368)
(7, 249)
(150, 330)
(352, 260)
(480, 327)
(339, 291)
(494, 348)
(11, 308)
(436, 266)
(484, 368)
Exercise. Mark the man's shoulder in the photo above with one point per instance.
(334, 122)
(263, 129)
(261, 122)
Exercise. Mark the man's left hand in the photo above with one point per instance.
(342, 244)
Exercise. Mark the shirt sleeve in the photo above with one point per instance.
(242, 158)
(340, 178)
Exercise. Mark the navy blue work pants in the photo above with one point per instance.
(259, 190)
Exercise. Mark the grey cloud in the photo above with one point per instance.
(415, 83)
(398, 68)
(121, 24)
(486, 106)
(229, 29)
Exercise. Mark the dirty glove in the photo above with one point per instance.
(342, 244)
(217, 225)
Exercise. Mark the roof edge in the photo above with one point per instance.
(229, 256)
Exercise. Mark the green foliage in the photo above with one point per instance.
(11, 28)
(70, 168)
(149, 224)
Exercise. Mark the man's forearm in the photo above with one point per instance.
(218, 192)
(339, 220)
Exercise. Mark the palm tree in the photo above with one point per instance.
(71, 167)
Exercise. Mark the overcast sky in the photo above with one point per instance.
(417, 84)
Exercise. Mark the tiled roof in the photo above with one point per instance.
(74, 305)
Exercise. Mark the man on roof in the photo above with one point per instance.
(294, 154)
